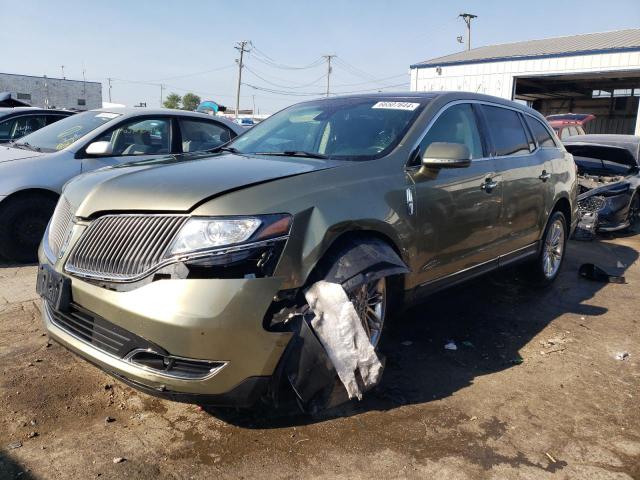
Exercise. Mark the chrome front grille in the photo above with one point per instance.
(60, 226)
(123, 247)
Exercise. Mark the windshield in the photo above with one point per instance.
(349, 129)
(64, 132)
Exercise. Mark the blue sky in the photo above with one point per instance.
(171, 43)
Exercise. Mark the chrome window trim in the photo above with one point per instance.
(444, 108)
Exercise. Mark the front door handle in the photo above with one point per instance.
(544, 176)
(489, 184)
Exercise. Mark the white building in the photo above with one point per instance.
(47, 92)
(595, 73)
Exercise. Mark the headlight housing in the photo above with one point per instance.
(202, 234)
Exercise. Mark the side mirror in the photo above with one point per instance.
(446, 155)
(99, 149)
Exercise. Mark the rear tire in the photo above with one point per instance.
(546, 267)
(23, 221)
(634, 211)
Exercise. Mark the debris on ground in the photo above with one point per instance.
(119, 460)
(14, 445)
(341, 333)
(622, 355)
(467, 344)
(407, 343)
(32, 435)
(451, 345)
(593, 272)
(550, 457)
(109, 419)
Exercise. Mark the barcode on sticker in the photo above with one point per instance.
(396, 105)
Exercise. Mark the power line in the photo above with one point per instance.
(266, 59)
(194, 74)
(253, 72)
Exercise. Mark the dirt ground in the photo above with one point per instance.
(538, 388)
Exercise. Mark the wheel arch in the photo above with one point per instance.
(29, 192)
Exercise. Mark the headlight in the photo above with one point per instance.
(211, 233)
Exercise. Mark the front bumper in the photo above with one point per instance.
(614, 212)
(208, 319)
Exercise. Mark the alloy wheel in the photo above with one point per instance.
(370, 302)
(553, 249)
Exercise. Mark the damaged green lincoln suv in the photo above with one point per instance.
(189, 276)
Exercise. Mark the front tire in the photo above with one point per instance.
(634, 211)
(23, 221)
(546, 267)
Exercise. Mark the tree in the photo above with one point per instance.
(190, 101)
(173, 101)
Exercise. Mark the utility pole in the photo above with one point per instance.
(109, 89)
(329, 57)
(241, 47)
(161, 92)
(467, 17)
(62, 68)
(254, 106)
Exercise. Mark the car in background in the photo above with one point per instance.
(17, 122)
(245, 122)
(188, 279)
(34, 168)
(569, 124)
(608, 179)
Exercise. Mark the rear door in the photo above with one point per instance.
(525, 172)
(197, 135)
(457, 209)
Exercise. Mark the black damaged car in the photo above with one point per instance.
(608, 179)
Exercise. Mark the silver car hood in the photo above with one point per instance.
(9, 154)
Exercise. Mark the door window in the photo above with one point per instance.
(5, 129)
(540, 132)
(150, 136)
(506, 130)
(199, 135)
(457, 124)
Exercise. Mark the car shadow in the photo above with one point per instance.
(489, 320)
(9, 468)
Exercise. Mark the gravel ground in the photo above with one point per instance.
(537, 389)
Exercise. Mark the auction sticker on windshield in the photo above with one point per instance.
(107, 115)
(397, 105)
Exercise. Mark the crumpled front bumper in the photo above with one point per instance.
(209, 319)
(612, 211)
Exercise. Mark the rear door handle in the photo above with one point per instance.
(544, 176)
(489, 184)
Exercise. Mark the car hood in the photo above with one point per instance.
(179, 183)
(10, 154)
(608, 153)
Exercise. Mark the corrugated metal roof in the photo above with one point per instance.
(558, 46)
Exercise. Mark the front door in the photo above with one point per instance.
(457, 210)
(134, 140)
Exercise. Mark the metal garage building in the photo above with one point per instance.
(595, 73)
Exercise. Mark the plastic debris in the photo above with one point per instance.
(597, 274)
(622, 355)
(14, 445)
(407, 343)
(451, 345)
(467, 344)
(119, 460)
(342, 335)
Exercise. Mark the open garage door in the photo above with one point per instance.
(612, 97)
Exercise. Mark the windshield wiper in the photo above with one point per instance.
(294, 153)
(24, 146)
(224, 149)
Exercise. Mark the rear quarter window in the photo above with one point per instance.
(540, 133)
